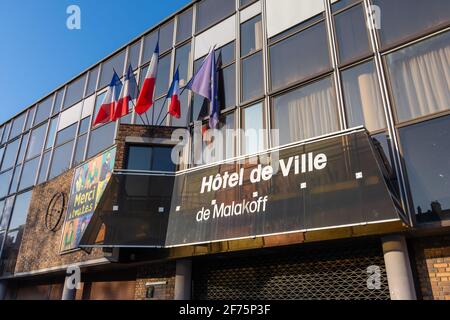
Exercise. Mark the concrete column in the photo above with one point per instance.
(398, 268)
(3, 286)
(183, 279)
(68, 294)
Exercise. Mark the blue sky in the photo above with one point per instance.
(38, 52)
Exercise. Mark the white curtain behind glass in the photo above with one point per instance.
(421, 78)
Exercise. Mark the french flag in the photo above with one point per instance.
(106, 112)
(145, 100)
(173, 94)
(128, 93)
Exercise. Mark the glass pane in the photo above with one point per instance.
(74, 92)
(252, 77)
(163, 76)
(426, 152)
(405, 18)
(58, 101)
(44, 167)
(43, 110)
(419, 78)
(210, 12)
(2, 206)
(20, 211)
(6, 213)
(253, 126)
(5, 179)
(23, 148)
(133, 57)
(305, 112)
(227, 127)
(108, 67)
(227, 87)
(15, 180)
(79, 150)
(92, 81)
(36, 141)
(251, 36)
(184, 27)
(84, 125)
(2, 150)
(61, 159)
(300, 56)
(6, 132)
(162, 160)
(184, 106)
(228, 54)
(31, 113)
(243, 3)
(149, 47)
(362, 97)
(98, 103)
(139, 158)
(66, 134)
(30, 170)
(51, 133)
(351, 30)
(17, 126)
(101, 139)
(158, 112)
(9, 158)
(182, 59)
(166, 37)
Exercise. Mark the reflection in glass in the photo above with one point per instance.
(9, 159)
(5, 179)
(252, 126)
(92, 81)
(182, 59)
(51, 133)
(362, 97)
(115, 63)
(166, 37)
(44, 167)
(36, 141)
(252, 77)
(29, 172)
(211, 11)
(251, 36)
(184, 25)
(17, 126)
(426, 153)
(79, 150)
(74, 92)
(66, 134)
(163, 76)
(43, 110)
(61, 159)
(101, 139)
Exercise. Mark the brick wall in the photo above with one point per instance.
(155, 273)
(40, 247)
(432, 259)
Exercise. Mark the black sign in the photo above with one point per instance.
(334, 182)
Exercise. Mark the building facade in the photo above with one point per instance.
(304, 73)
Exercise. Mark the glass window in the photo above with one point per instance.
(5, 179)
(402, 19)
(341, 4)
(43, 110)
(210, 12)
(61, 159)
(227, 87)
(426, 148)
(92, 81)
(133, 56)
(101, 139)
(305, 112)
(79, 150)
(29, 119)
(98, 103)
(351, 30)
(150, 158)
(227, 127)
(158, 112)
(2, 150)
(15, 180)
(166, 37)
(44, 167)
(58, 101)
(251, 36)
(252, 77)
(243, 3)
(2, 206)
(162, 159)
(384, 141)
(184, 106)
(149, 46)
(419, 77)
(8, 205)
(115, 63)
(182, 59)
(23, 148)
(30, 170)
(9, 158)
(362, 97)
(66, 134)
(163, 76)
(20, 211)
(253, 129)
(36, 141)
(17, 126)
(184, 25)
(227, 53)
(51, 133)
(6, 132)
(74, 92)
(84, 125)
(299, 57)
(1, 133)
